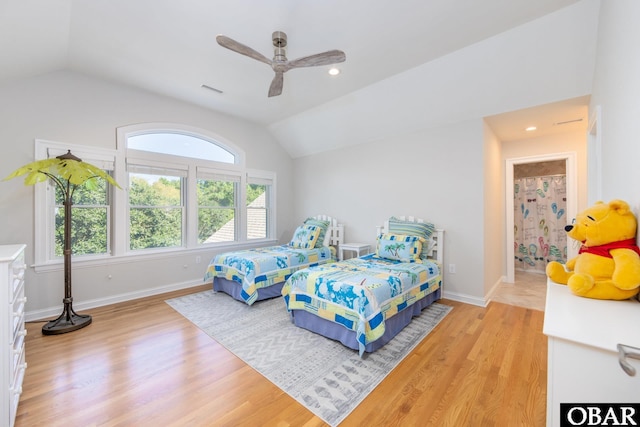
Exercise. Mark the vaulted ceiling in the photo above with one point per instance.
(169, 47)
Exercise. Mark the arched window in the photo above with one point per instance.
(178, 144)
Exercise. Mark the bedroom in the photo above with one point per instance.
(38, 106)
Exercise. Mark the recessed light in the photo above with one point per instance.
(334, 71)
(531, 128)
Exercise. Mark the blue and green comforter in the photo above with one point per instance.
(360, 293)
(263, 267)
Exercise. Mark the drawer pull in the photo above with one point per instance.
(625, 351)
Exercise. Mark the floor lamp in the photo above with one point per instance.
(67, 172)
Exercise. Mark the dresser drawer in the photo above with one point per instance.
(16, 358)
(18, 328)
(17, 291)
(15, 388)
(16, 313)
(16, 271)
(12, 330)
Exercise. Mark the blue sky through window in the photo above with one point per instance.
(180, 145)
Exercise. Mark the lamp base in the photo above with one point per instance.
(68, 321)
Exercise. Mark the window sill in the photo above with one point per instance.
(209, 251)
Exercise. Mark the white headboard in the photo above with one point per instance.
(335, 231)
(436, 242)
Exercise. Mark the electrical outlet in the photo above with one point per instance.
(198, 259)
(452, 268)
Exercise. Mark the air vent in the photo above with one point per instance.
(211, 88)
(566, 122)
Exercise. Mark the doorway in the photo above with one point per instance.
(569, 160)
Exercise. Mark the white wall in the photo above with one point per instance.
(617, 90)
(435, 174)
(494, 211)
(76, 109)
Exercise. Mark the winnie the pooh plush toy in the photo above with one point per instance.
(608, 263)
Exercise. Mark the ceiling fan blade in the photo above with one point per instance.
(233, 45)
(325, 58)
(276, 84)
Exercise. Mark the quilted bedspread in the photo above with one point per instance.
(360, 293)
(263, 267)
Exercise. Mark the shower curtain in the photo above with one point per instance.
(539, 220)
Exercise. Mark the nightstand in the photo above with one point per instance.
(358, 248)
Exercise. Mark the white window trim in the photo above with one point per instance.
(232, 175)
(124, 132)
(255, 176)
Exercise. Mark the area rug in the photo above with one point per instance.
(323, 375)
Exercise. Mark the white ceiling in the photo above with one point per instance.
(549, 119)
(168, 46)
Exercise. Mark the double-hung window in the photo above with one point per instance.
(260, 192)
(156, 207)
(90, 224)
(218, 196)
(91, 211)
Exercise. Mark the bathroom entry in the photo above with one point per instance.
(539, 214)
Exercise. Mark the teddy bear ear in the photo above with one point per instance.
(619, 205)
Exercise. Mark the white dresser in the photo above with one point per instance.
(12, 330)
(583, 335)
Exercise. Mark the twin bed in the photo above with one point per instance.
(255, 274)
(361, 302)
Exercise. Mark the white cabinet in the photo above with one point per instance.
(583, 364)
(12, 330)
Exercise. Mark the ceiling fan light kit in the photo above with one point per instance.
(280, 64)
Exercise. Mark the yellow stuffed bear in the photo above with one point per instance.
(608, 263)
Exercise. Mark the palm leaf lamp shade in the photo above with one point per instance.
(67, 172)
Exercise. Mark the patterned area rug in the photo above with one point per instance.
(323, 375)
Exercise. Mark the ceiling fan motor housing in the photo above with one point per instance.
(279, 43)
(279, 39)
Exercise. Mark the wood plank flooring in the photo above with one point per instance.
(142, 364)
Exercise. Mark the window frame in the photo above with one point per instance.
(45, 204)
(116, 161)
(155, 169)
(266, 178)
(229, 176)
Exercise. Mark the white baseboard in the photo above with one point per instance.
(54, 312)
(494, 289)
(468, 299)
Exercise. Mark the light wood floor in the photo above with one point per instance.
(142, 364)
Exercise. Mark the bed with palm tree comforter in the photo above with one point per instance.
(364, 302)
(255, 274)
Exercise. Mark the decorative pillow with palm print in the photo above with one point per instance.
(305, 236)
(399, 247)
(323, 224)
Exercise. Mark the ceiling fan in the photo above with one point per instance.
(280, 64)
